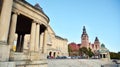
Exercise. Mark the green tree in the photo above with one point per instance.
(119, 52)
(114, 55)
(90, 53)
(83, 50)
(86, 51)
(69, 50)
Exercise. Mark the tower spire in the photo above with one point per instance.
(84, 31)
(96, 39)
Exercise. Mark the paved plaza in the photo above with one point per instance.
(79, 63)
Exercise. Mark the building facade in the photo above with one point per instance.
(26, 27)
(104, 53)
(73, 49)
(57, 46)
(100, 51)
(85, 43)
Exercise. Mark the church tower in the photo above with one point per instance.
(96, 44)
(84, 38)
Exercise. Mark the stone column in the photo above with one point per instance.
(37, 37)
(12, 29)
(45, 42)
(20, 41)
(32, 36)
(5, 20)
(41, 42)
(4, 29)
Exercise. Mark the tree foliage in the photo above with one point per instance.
(114, 55)
(86, 51)
(119, 52)
(69, 49)
(90, 53)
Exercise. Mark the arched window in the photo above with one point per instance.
(50, 54)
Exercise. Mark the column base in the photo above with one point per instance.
(4, 52)
(7, 64)
(43, 56)
(17, 56)
(3, 43)
(34, 56)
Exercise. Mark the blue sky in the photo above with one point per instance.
(100, 17)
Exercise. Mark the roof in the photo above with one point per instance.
(96, 39)
(103, 49)
(37, 7)
(102, 45)
(60, 38)
(84, 32)
(74, 46)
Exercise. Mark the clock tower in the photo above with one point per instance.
(84, 38)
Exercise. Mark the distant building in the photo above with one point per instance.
(57, 46)
(85, 42)
(73, 49)
(95, 47)
(104, 53)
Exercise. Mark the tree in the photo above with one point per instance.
(86, 51)
(90, 53)
(69, 50)
(83, 50)
(119, 52)
(114, 55)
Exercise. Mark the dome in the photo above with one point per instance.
(103, 49)
(102, 45)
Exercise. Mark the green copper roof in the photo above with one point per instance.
(103, 49)
(102, 45)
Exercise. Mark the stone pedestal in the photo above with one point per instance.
(34, 56)
(4, 52)
(7, 64)
(16, 56)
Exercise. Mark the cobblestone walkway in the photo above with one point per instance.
(75, 63)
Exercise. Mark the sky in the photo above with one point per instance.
(100, 17)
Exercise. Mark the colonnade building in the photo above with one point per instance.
(19, 22)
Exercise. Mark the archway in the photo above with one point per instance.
(54, 54)
(50, 54)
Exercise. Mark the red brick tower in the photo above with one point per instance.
(84, 38)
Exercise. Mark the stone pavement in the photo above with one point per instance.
(79, 63)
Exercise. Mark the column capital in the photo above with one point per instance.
(15, 12)
(38, 22)
(46, 29)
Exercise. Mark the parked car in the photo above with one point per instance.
(61, 57)
(76, 57)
